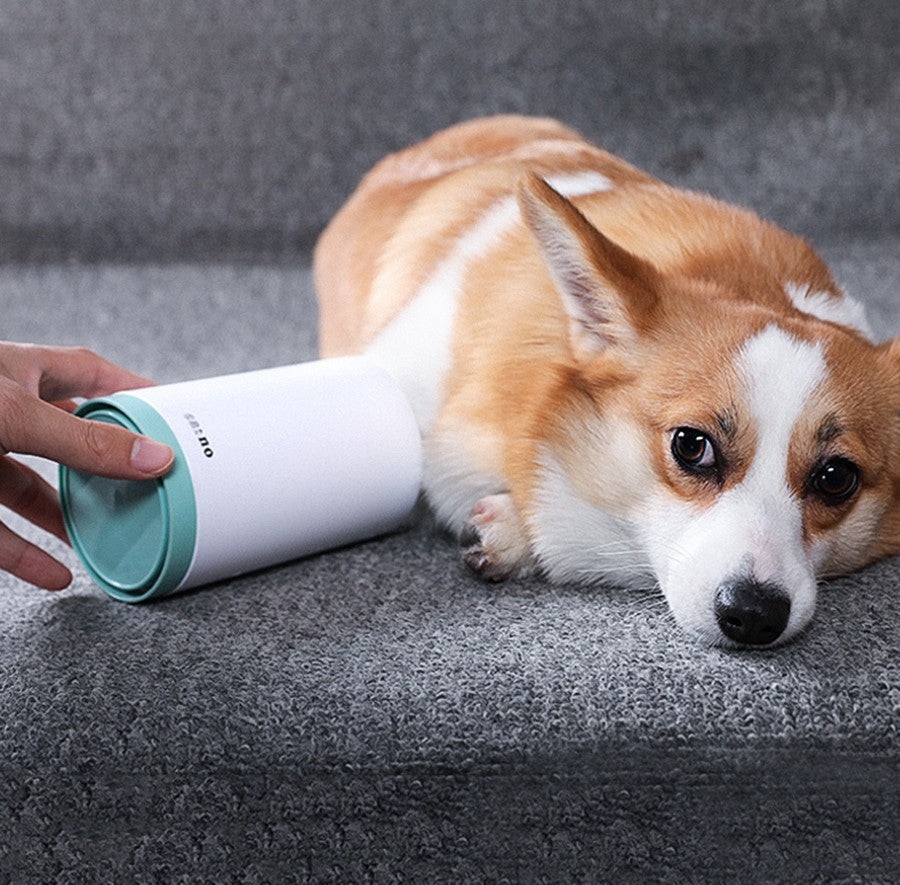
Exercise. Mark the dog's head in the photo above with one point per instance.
(750, 439)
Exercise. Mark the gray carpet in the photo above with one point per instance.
(375, 714)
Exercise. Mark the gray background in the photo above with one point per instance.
(161, 128)
(375, 714)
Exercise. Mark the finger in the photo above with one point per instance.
(28, 562)
(25, 492)
(58, 373)
(33, 427)
(77, 371)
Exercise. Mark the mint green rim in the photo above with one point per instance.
(175, 496)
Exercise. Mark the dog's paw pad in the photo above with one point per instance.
(475, 555)
(492, 542)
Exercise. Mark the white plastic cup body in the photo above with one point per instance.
(282, 463)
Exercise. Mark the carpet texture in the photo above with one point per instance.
(375, 714)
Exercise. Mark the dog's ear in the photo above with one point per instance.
(889, 352)
(890, 530)
(609, 294)
(894, 353)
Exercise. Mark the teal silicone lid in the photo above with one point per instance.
(135, 537)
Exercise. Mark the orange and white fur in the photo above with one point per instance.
(618, 381)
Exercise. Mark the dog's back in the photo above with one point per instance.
(407, 213)
(414, 207)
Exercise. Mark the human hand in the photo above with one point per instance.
(36, 384)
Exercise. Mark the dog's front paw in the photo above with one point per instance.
(493, 542)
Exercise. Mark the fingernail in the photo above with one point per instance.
(150, 456)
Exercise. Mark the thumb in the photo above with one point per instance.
(91, 446)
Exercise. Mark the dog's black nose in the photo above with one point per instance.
(752, 612)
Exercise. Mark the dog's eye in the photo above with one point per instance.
(835, 481)
(693, 450)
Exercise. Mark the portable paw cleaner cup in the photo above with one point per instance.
(269, 466)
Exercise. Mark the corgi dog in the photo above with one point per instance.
(618, 381)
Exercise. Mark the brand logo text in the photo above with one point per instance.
(201, 436)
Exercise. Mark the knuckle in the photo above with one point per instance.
(26, 494)
(14, 558)
(13, 411)
(91, 363)
(99, 442)
(85, 353)
(12, 550)
(30, 358)
(11, 394)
